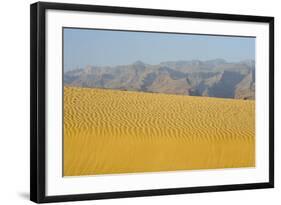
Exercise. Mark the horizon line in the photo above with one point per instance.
(143, 62)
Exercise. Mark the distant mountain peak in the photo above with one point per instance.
(88, 68)
(139, 63)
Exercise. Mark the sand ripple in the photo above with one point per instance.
(110, 131)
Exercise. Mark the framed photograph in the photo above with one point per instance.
(129, 102)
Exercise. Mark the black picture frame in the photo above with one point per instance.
(38, 101)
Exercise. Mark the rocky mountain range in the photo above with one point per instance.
(213, 78)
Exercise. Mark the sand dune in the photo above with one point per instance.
(110, 131)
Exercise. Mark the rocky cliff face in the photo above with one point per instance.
(213, 78)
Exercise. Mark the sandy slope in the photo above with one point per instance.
(109, 131)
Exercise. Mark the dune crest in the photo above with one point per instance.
(111, 131)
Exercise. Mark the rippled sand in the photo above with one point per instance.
(110, 131)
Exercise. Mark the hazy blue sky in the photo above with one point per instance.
(100, 47)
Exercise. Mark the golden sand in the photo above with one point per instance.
(110, 131)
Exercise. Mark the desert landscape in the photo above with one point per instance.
(109, 131)
(140, 101)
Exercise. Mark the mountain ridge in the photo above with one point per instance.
(212, 78)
